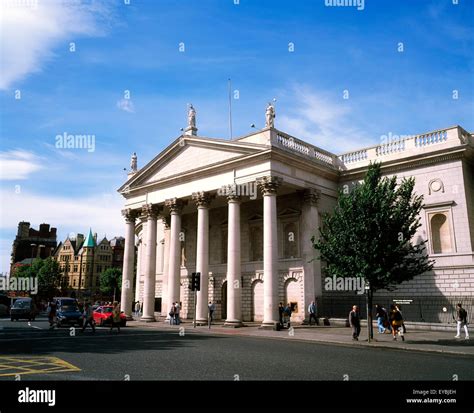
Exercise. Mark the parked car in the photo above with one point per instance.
(68, 311)
(103, 316)
(24, 308)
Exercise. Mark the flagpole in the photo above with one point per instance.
(230, 108)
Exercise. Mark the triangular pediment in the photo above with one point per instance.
(189, 158)
(288, 212)
(191, 155)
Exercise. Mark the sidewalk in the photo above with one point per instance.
(415, 340)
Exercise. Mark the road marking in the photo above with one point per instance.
(11, 366)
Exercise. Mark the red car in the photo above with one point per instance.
(103, 315)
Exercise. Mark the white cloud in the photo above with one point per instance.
(319, 119)
(32, 29)
(18, 164)
(126, 105)
(101, 213)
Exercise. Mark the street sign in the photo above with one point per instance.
(196, 281)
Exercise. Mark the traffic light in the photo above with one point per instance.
(196, 281)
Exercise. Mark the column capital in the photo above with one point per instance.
(175, 205)
(151, 210)
(130, 214)
(233, 198)
(202, 199)
(311, 196)
(269, 184)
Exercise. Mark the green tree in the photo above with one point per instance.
(48, 273)
(370, 234)
(111, 281)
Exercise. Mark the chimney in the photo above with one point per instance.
(23, 229)
(44, 230)
(79, 240)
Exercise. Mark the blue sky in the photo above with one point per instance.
(135, 47)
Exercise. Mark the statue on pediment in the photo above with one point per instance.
(133, 162)
(270, 116)
(191, 117)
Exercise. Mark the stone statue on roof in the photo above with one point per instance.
(191, 117)
(270, 116)
(133, 162)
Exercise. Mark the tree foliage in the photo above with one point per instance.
(371, 232)
(110, 280)
(49, 276)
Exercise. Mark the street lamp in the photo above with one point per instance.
(369, 311)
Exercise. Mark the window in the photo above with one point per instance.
(290, 240)
(440, 234)
(256, 242)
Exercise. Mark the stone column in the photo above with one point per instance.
(151, 213)
(128, 262)
(268, 186)
(174, 269)
(202, 200)
(234, 284)
(139, 270)
(165, 306)
(311, 263)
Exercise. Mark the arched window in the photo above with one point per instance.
(440, 234)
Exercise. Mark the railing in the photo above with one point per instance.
(292, 143)
(451, 137)
(305, 149)
(431, 138)
(391, 147)
(406, 144)
(354, 156)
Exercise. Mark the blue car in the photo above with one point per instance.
(68, 312)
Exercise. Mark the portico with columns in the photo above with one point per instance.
(235, 212)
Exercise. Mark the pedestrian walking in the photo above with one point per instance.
(287, 314)
(461, 319)
(281, 310)
(212, 307)
(354, 322)
(403, 322)
(52, 313)
(312, 310)
(177, 309)
(137, 309)
(381, 317)
(88, 318)
(115, 322)
(396, 321)
(171, 313)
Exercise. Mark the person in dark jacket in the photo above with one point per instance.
(461, 319)
(281, 309)
(354, 322)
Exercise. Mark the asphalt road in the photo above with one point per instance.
(148, 354)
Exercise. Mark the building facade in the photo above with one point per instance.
(30, 244)
(242, 213)
(82, 260)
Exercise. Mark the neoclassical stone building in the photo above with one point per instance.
(242, 213)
